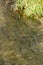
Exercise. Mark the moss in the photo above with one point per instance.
(30, 7)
